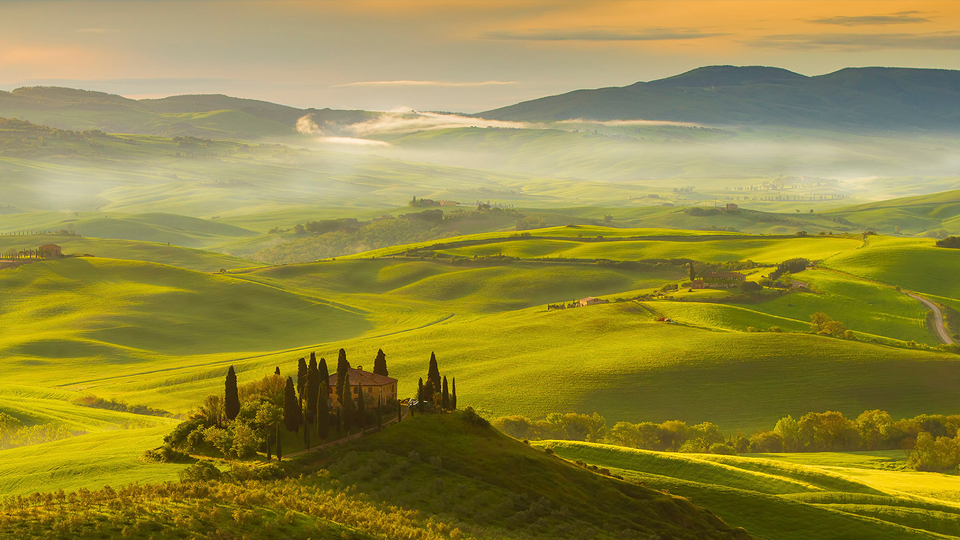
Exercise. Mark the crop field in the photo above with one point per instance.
(786, 496)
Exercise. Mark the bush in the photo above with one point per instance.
(750, 286)
(201, 471)
(949, 242)
(470, 416)
(166, 454)
(723, 449)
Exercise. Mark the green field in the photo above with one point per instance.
(786, 496)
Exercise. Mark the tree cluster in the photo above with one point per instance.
(436, 394)
(932, 441)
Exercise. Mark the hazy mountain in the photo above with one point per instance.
(852, 98)
(211, 115)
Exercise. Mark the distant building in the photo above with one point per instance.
(719, 280)
(374, 387)
(50, 251)
(731, 207)
(591, 301)
(448, 203)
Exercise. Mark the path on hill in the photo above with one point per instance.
(939, 327)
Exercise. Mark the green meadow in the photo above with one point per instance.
(785, 496)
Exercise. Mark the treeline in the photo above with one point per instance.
(122, 406)
(949, 242)
(315, 406)
(345, 236)
(932, 441)
(14, 433)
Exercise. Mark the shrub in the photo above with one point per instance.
(723, 449)
(166, 454)
(470, 416)
(750, 286)
(201, 471)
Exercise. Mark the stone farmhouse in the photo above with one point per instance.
(376, 388)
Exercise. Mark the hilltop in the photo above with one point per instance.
(853, 98)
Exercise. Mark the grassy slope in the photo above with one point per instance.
(162, 253)
(775, 500)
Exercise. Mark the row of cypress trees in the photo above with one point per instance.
(305, 403)
(436, 391)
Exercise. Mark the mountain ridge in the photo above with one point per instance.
(851, 98)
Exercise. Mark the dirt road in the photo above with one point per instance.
(939, 328)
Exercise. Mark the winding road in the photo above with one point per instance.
(941, 331)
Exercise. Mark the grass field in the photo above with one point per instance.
(793, 496)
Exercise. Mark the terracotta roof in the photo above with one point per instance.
(363, 378)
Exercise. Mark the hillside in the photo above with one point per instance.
(215, 116)
(429, 477)
(785, 497)
(849, 99)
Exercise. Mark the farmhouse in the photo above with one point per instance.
(376, 387)
(591, 301)
(50, 251)
(732, 207)
(719, 280)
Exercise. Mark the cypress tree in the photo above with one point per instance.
(342, 367)
(279, 450)
(433, 374)
(693, 273)
(324, 374)
(420, 394)
(347, 406)
(323, 410)
(453, 395)
(301, 378)
(361, 410)
(313, 389)
(277, 371)
(445, 396)
(291, 408)
(380, 364)
(231, 399)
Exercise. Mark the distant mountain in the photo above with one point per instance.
(852, 98)
(212, 116)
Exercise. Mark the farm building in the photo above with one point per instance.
(732, 207)
(591, 301)
(375, 387)
(719, 280)
(50, 251)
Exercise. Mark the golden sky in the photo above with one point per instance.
(449, 55)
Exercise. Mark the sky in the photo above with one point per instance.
(445, 55)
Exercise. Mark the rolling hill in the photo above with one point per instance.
(849, 99)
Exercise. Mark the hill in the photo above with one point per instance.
(849, 99)
(429, 477)
(824, 496)
(215, 116)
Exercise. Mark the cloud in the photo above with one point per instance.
(450, 84)
(904, 17)
(601, 34)
(947, 41)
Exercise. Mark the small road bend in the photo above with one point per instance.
(938, 326)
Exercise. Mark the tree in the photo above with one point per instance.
(347, 405)
(313, 389)
(279, 449)
(301, 378)
(231, 399)
(453, 395)
(342, 367)
(433, 374)
(277, 371)
(361, 410)
(445, 395)
(324, 374)
(789, 431)
(268, 419)
(420, 394)
(323, 410)
(380, 364)
(291, 408)
(693, 273)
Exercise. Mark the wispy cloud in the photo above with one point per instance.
(601, 34)
(947, 41)
(450, 84)
(904, 17)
